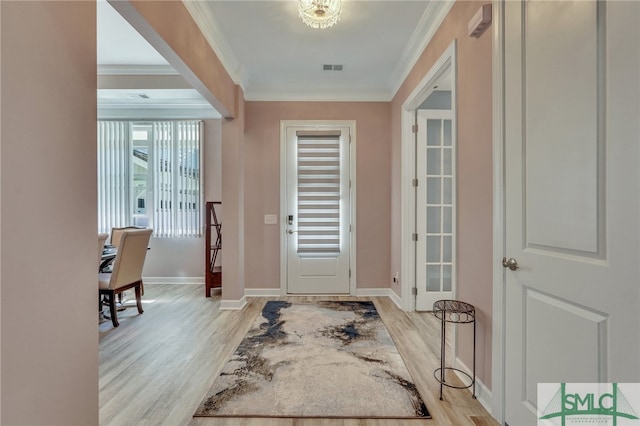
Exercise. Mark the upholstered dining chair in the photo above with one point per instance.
(127, 270)
(102, 238)
(114, 240)
(116, 234)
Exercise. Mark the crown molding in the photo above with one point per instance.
(111, 103)
(136, 70)
(429, 23)
(208, 24)
(146, 113)
(321, 92)
(329, 95)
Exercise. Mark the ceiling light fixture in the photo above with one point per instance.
(320, 13)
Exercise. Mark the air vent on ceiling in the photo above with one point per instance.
(137, 96)
(328, 67)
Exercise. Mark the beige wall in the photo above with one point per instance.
(49, 355)
(475, 190)
(173, 258)
(262, 186)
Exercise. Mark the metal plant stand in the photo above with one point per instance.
(457, 312)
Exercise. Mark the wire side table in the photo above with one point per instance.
(457, 312)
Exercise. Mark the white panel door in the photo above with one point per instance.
(572, 196)
(318, 216)
(435, 208)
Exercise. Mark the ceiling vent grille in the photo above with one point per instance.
(137, 96)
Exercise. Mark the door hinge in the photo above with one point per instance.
(414, 182)
(414, 128)
(349, 228)
(349, 273)
(349, 183)
(414, 237)
(414, 291)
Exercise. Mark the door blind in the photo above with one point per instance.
(318, 194)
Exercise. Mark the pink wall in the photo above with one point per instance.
(49, 214)
(475, 188)
(212, 160)
(233, 203)
(262, 186)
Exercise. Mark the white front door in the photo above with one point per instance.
(572, 114)
(317, 222)
(435, 202)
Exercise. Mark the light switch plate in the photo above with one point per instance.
(270, 219)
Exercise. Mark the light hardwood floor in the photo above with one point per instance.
(156, 368)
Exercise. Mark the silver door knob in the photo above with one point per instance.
(510, 263)
(291, 231)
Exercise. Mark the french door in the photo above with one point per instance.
(435, 207)
(317, 213)
(572, 197)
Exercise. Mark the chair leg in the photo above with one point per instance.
(113, 310)
(138, 290)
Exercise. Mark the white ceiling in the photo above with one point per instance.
(119, 43)
(121, 50)
(274, 56)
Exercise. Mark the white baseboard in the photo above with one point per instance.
(233, 305)
(276, 292)
(373, 292)
(380, 292)
(396, 299)
(483, 393)
(174, 280)
(262, 292)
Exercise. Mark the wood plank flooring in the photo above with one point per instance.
(156, 368)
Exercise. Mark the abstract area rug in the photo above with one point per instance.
(321, 359)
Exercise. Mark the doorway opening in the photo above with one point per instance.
(428, 187)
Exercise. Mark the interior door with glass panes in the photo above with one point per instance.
(435, 207)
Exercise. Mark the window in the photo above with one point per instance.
(149, 175)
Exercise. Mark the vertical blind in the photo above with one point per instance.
(177, 204)
(318, 193)
(162, 154)
(113, 175)
(174, 168)
(189, 199)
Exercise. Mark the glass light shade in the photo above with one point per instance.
(320, 13)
